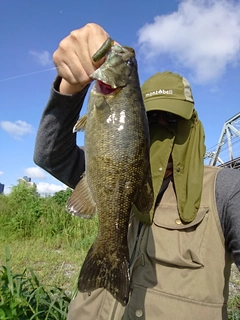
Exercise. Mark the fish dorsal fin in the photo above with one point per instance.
(80, 124)
(81, 203)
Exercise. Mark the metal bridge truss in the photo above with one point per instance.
(230, 136)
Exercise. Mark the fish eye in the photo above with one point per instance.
(130, 62)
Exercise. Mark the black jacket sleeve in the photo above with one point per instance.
(228, 204)
(55, 148)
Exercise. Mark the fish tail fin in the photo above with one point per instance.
(104, 271)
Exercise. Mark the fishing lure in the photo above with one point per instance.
(103, 50)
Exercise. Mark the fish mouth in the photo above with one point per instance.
(104, 88)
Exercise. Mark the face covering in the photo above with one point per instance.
(184, 141)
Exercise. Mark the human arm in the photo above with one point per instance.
(55, 148)
(228, 204)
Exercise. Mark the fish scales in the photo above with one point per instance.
(117, 170)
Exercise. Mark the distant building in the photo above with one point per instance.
(1, 188)
(27, 181)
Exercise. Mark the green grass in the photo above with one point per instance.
(45, 250)
(53, 264)
(23, 297)
(234, 308)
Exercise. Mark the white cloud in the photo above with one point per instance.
(17, 129)
(35, 172)
(42, 57)
(1, 173)
(203, 36)
(47, 188)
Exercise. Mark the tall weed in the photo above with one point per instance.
(24, 214)
(22, 296)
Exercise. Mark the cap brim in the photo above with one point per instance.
(182, 108)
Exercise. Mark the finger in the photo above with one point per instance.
(73, 74)
(69, 65)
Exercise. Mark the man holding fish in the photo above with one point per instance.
(168, 225)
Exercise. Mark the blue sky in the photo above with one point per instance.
(196, 38)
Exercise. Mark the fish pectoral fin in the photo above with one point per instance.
(81, 203)
(144, 203)
(144, 217)
(80, 124)
(101, 270)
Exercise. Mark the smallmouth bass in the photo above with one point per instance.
(117, 176)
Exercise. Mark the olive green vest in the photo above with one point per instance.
(181, 271)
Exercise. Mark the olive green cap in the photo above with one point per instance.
(167, 91)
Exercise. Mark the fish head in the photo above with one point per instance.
(119, 69)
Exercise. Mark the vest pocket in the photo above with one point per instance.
(175, 243)
(150, 304)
